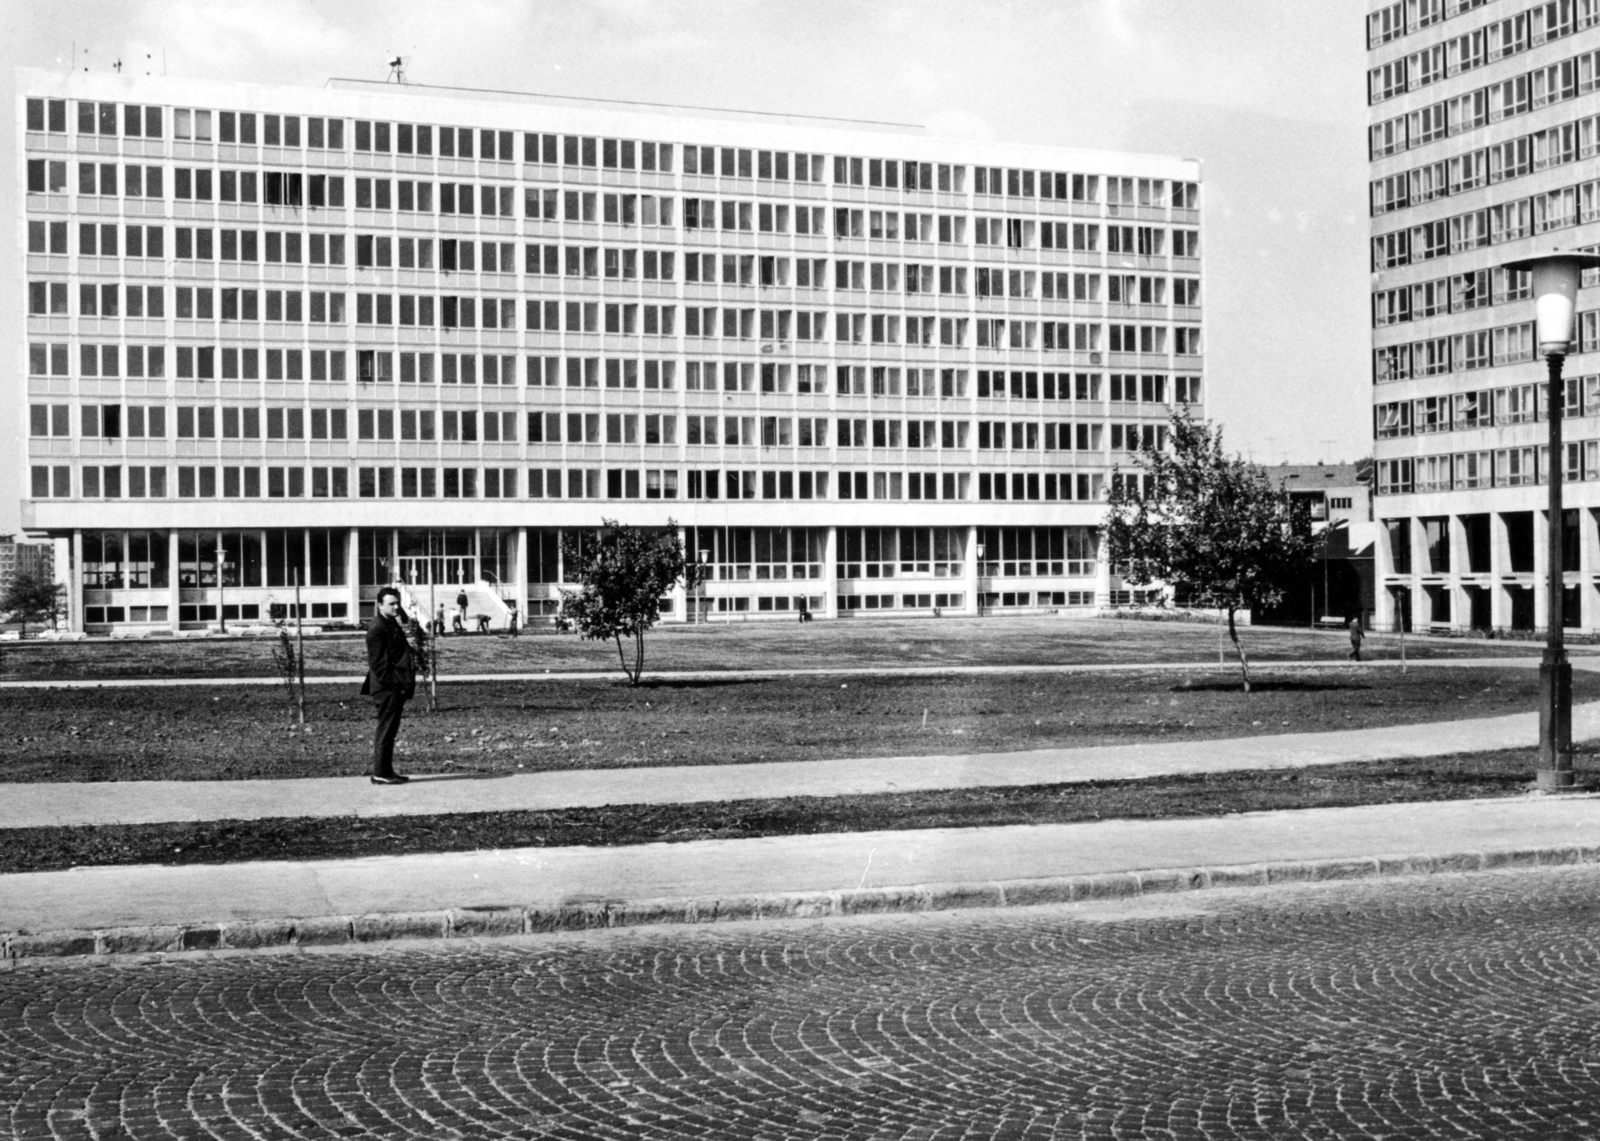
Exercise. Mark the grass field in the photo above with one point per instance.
(855, 643)
(204, 732)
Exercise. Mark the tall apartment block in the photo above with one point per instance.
(378, 333)
(1485, 148)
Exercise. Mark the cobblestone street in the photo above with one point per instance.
(1448, 1006)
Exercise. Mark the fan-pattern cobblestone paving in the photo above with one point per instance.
(1448, 1006)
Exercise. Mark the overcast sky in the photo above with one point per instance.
(1268, 94)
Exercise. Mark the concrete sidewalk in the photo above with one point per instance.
(149, 802)
(138, 909)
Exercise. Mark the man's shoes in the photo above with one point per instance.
(392, 778)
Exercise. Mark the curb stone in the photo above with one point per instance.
(578, 915)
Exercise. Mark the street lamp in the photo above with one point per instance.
(1556, 278)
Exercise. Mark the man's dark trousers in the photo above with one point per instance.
(391, 705)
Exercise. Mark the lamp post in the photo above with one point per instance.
(1556, 278)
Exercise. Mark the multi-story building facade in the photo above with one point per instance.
(1485, 124)
(376, 333)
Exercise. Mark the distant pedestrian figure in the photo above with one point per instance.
(1355, 639)
(391, 680)
(438, 620)
(511, 620)
(460, 620)
(483, 623)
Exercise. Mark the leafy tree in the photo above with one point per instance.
(622, 573)
(32, 597)
(1210, 526)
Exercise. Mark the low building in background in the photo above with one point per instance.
(1340, 584)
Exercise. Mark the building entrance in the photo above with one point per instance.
(440, 570)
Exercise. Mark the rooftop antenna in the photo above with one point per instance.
(397, 69)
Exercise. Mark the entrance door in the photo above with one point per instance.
(446, 570)
(414, 570)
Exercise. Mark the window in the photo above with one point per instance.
(1386, 24)
(1426, 124)
(1386, 81)
(1388, 137)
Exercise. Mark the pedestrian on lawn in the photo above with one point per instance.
(438, 620)
(511, 621)
(460, 620)
(1355, 639)
(391, 680)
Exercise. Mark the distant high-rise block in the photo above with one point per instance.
(1483, 150)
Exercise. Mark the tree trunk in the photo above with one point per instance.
(1244, 663)
(622, 657)
(638, 656)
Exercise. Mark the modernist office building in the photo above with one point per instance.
(375, 333)
(1485, 123)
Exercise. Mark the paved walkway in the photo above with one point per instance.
(150, 802)
(790, 876)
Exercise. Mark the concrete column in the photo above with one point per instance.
(1588, 550)
(75, 584)
(1383, 610)
(680, 593)
(352, 574)
(969, 571)
(1460, 601)
(830, 574)
(520, 591)
(1102, 571)
(1421, 610)
(1499, 567)
(172, 570)
(1541, 569)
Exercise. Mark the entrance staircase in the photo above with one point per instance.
(481, 599)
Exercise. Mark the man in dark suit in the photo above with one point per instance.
(391, 681)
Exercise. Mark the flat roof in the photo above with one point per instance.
(361, 99)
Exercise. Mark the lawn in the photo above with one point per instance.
(1216, 794)
(854, 643)
(205, 732)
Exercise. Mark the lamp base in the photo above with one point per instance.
(1555, 720)
(1554, 780)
